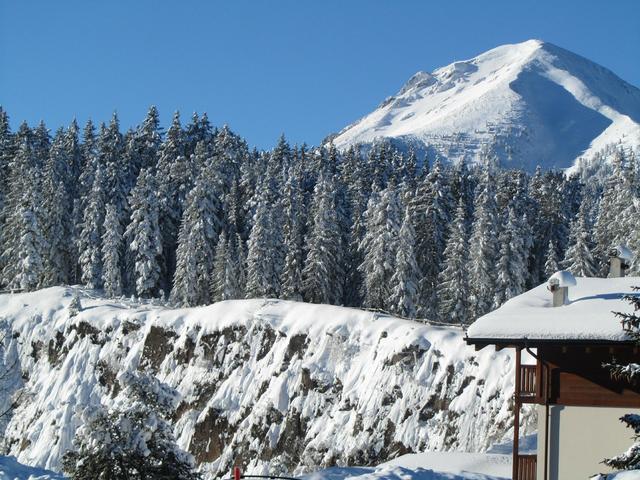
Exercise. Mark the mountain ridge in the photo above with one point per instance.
(530, 103)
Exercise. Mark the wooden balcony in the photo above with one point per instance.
(527, 389)
(526, 467)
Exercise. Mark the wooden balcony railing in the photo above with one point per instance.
(528, 382)
(526, 467)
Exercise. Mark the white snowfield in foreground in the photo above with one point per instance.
(11, 469)
(533, 102)
(587, 316)
(628, 475)
(424, 466)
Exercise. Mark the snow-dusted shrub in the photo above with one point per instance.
(630, 459)
(132, 440)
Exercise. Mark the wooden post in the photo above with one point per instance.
(516, 416)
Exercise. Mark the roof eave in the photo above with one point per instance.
(501, 343)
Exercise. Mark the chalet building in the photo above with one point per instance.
(567, 327)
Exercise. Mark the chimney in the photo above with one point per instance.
(620, 258)
(558, 284)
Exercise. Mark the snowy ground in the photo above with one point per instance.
(428, 466)
(424, 466)
(630, 475)
(11, 469)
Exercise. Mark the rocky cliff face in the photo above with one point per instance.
(273, 385)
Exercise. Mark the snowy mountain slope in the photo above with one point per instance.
(532, 103)
(271, 384)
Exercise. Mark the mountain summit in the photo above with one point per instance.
(532, 103)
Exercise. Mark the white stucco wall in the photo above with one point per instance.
(580, 438)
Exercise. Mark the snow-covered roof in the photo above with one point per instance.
(588, 316)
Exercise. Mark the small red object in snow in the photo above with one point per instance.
(236, 473)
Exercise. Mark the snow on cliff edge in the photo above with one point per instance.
(275, 385)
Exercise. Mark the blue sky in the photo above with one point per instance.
(305, 68)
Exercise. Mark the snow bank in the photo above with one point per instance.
(628, 475)
(11, 469)
(457, 463)
(428, 466)
(277, 386)
(396, 473)
(587, 316)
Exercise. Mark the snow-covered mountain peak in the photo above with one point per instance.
(532, 103)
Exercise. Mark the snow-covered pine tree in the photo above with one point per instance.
(511, 279)
(24, 248)
(196, 241)
(143, 235)
(412, 169)
(628, 201)
(431, 210)
(323, 272)
(578, 258)
(550, 223)
(19, 164)
(197, 131)
(91, 230)
(75, 305)
(483, 249)
(89, 166)
(147, 141)
(6, 155)
(265, 256)
(628, 373)
(219, 274)
(462, 187)
(281, 154)
(6, 152)
(294, 216)
(31, 250)
(551, 264)
(73, 153)
(617, 196)
(453, 282)
(404, 295)
(112, 253)
(379, 160)
(379, 248)
(183, 291)
(110, 154)
(238, 255)
(57, 215)
(132, 440)
(345, 258)
(227, 272)
(358, 184)
(171, 167)
(40, 145)
(229, 153)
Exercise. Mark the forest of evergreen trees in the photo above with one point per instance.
(194, 215)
